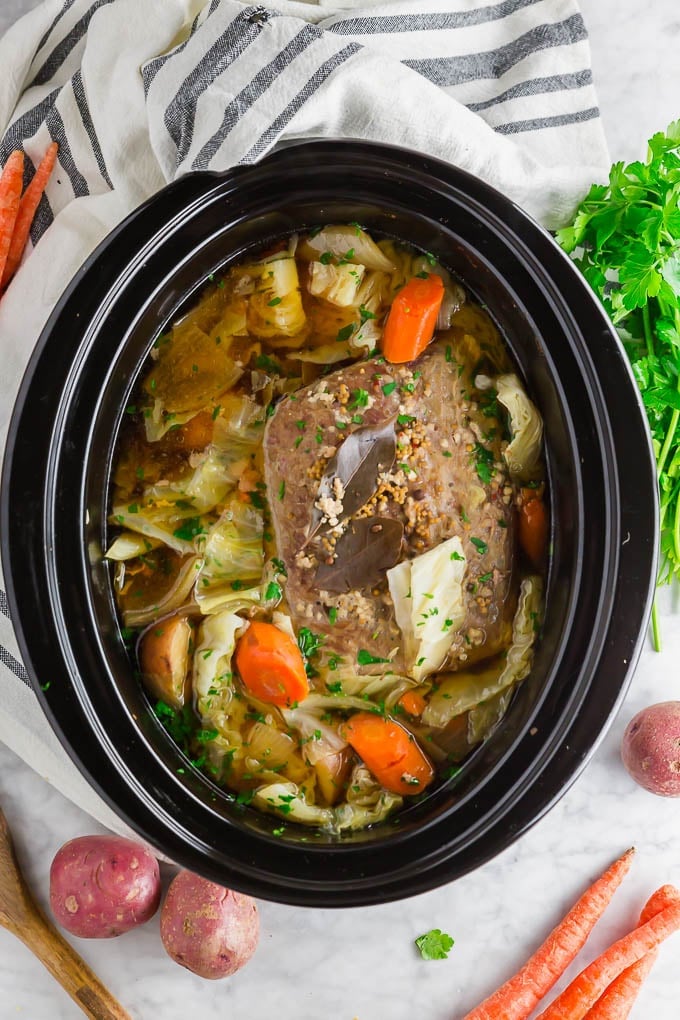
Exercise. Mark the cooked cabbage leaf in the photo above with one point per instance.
(275, 307)
(523, 454)
(427, 593)
(346, 244)
(367, 802)
(337, 284)
(463, 691)
(286, 799)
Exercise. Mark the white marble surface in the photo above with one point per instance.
(361, 963)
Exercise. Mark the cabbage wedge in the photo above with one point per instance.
(464, 691)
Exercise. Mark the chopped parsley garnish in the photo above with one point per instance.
(357, 419)
(189, 529)
(216, 411)
(434, 945)
(388, 388)
(345, 333)
(456, 556)
(480, 545)
(405, 419)
(365, 658)
(309, 644)
(267, 363)
(325, 258)
(282, 489)
(274, 301)
(332, 615)
(273, 592)
(279, 566)
(483, 578)
(334, 687)
(366, 314)
(483, 463)
(301, 424)
(359, 399)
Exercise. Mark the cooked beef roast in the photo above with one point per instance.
(441, 475)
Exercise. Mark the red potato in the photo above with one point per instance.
(651, 748)
(206, 928)
(103, 886)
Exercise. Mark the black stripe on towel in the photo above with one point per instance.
(445, 71)
(312, 86)
(150, 70)
(538, 86)
(63, 49)
(4, 604)
(433, 22)
(84, 110)
(539, 123)
(25, 127)
(249, 95)
(180, 115)
(14, 665)
(66, 7)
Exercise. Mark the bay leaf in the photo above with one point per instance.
(363, 455)
(369, 547)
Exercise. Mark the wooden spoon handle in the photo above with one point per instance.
(69, 969)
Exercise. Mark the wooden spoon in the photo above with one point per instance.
(21, 915)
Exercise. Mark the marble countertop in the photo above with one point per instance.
(362, 962)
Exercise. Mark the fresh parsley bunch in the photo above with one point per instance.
(625, 239)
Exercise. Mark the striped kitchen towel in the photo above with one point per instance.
(138, 93)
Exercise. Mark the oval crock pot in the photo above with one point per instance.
(602, 490)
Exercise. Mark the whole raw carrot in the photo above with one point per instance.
(27, 209)
(584, 991)
(519, 996)
(11, 184)
(619, 998)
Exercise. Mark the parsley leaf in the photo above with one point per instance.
(625, 239)
(434, 945)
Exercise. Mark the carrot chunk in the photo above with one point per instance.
(11, 183)
(412, 318)
(518, 997)
(390, 752)
(270, 665)
(413, 702)
(27, 209)
(533, 529)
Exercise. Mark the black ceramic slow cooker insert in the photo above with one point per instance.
(602, 490)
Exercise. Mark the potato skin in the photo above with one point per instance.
(651, 748)
(103, 886)
(206, 928)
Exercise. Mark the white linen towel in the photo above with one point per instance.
(137, 94)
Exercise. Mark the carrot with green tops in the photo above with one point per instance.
(584, 991)
(619, 998)
(412, 318)
(519, 996)
(270, 665)
(27, 209)
(11, 183)
(390, 752)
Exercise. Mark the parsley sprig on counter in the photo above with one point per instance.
(625, 239)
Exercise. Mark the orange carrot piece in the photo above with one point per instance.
(270, 665)
(390, 752)
(412, 318)
(584, 991)
(519, 996)
(11, 183)
(27, 209)
(619, 998)
(533, 529)
(413, 702)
